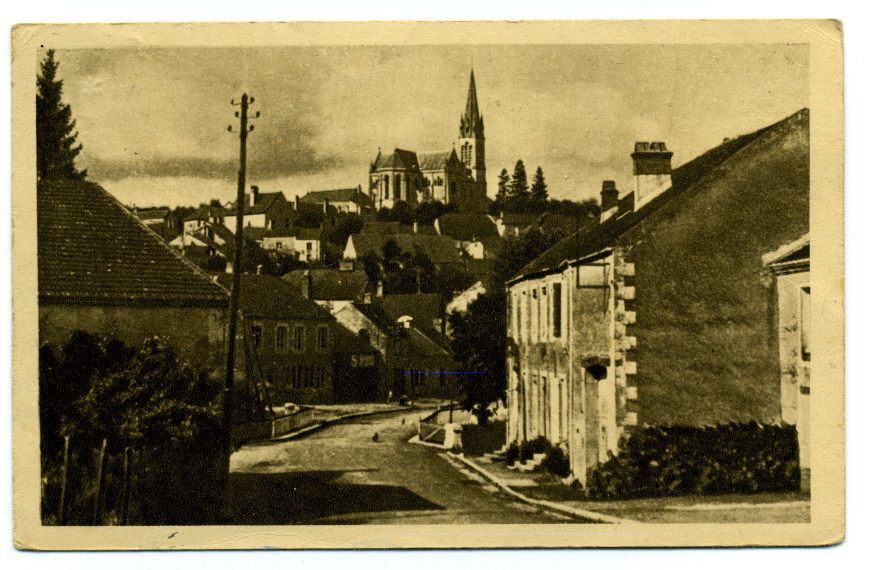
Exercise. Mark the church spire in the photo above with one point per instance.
(471, 123)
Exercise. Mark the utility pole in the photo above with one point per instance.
(228, 390)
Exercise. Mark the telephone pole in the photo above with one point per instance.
(229, 387)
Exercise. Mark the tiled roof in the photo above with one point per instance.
(399, 159)
(329, 284)
(467, 227)
(434, 160)
(265, 202)
(151, 213)
(348, 343)
(270, 297)
(377, 315)
(92, 250)
(423, 307)
(307, 234)
(594, 238)
(340, 195)
(440, 249)
(425, 341)
(384, 228)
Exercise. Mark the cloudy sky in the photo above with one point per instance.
(153, 122)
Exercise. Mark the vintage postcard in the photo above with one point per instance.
(492, 284)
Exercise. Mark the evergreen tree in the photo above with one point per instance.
(539, 191)
(519, 184)
(503, 187)
(56, 147)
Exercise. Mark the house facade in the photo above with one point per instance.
(267, 210)
(660, 314)
(103, 271)
(791, 269)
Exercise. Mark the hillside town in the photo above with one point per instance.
(428, 343)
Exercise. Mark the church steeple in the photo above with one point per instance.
(472, 148)
(471, 123)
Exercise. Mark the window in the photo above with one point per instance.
(299, 338)
(556, 310)
(279, 245)
(281, 334)
(398, 195)
(308, 246)
(322, 338)
(386, 187)
(296, 379)
(323, 380)
(256, 335)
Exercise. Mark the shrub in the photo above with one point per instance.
(556, 462)
(537, 445)
(679, 460)
(512, 453)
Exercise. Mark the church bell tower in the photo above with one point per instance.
(472, 141)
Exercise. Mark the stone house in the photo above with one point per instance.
(661, 313)
(790, 266)
(104, 271)
(286, 343)
(348, 200)
(268, 210)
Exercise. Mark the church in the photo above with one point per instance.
(451, 177)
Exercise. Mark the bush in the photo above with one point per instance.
(537, 445)
(512, 453)
(680, 460)
(556, 462)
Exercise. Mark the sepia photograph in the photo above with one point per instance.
(411, 274)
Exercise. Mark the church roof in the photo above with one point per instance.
(434, 160)
(399, 159)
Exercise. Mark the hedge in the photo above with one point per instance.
(680, 460)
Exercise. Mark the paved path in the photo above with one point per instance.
(340, 476)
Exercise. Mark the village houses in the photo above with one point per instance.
(664, 312)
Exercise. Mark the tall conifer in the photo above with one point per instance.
(56, 147)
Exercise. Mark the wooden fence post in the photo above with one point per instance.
(61, 509)
(101, 475)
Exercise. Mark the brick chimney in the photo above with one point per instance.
(609, 199)
(297, 202)
(307, 284)
(651, 171)
(254, 195)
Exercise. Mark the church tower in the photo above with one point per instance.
(472, 141)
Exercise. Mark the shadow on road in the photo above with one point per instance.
(303, 497)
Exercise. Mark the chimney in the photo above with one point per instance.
(651, 171)
(326, 205)
(307, 284)
(297, 202)
(254, 195)
(609, 199)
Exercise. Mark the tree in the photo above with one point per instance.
(539, 191)
(56, 147)
(479, 343)
(503, 191)
(519, 184)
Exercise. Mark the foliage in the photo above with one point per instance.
(539, 192)
(518, 190)
(503, 191)
(479, 344)
(215, 264)
(527, 449)
(678, 460)
(400, 212)
(556, 461)
(56, 148)
(334, 235)
(426, 213)
(522, 249)
(511, 456)
(311, 218)
(136, 397)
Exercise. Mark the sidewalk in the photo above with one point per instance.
(545, 489)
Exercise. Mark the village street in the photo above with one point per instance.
(340, 476)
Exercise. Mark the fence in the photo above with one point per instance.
(89, 485)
